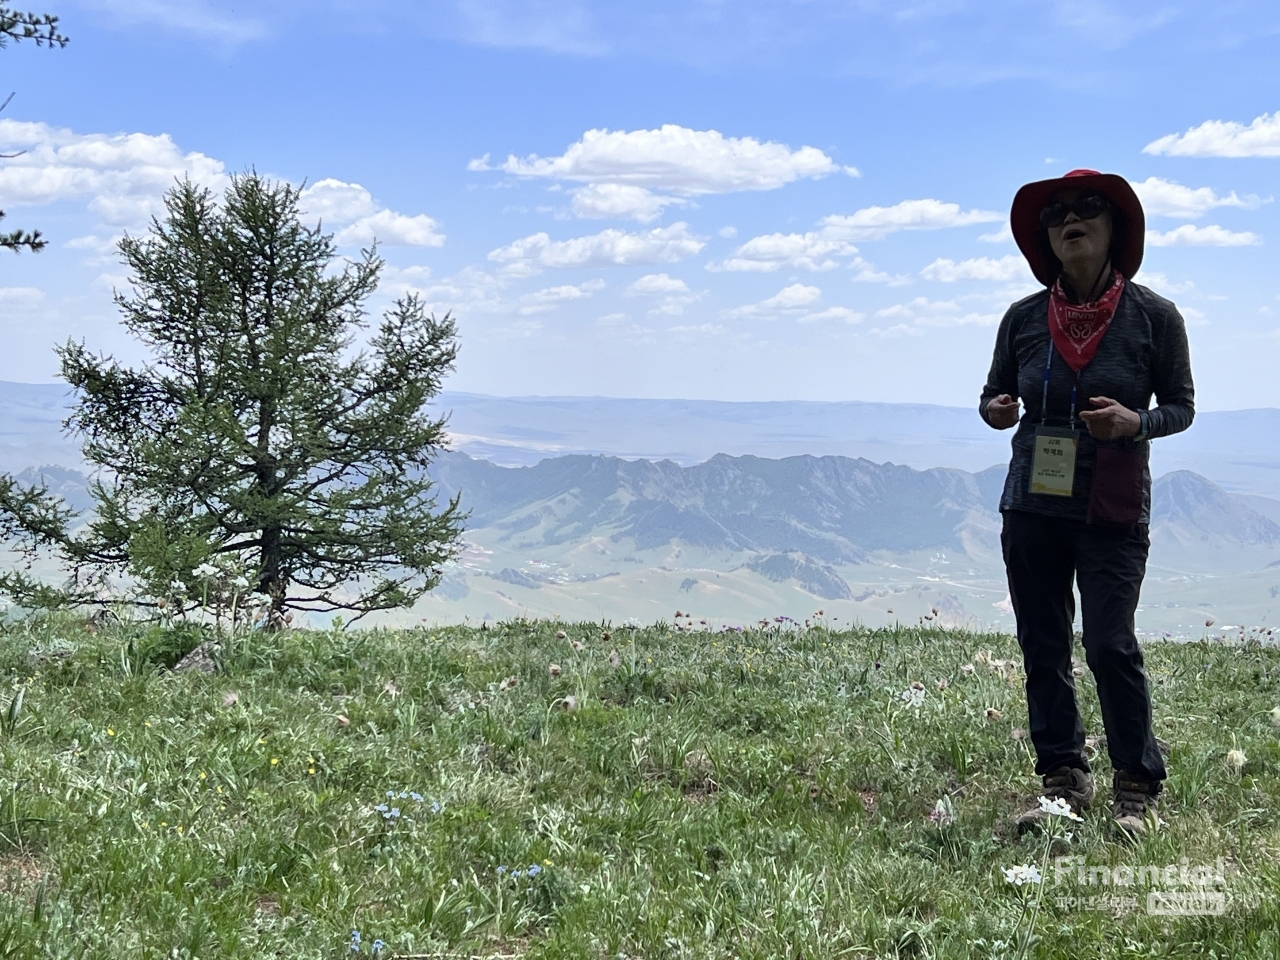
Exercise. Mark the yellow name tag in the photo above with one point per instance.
(1053, 464)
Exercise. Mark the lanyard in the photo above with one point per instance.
(1044, 400)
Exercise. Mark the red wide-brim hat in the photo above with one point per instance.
(1129, 225)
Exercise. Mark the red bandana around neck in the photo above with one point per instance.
(1078, 328)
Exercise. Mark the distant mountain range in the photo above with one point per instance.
(1232, 448)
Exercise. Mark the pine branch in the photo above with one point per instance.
(40, 28)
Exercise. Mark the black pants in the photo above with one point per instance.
(1042, 555)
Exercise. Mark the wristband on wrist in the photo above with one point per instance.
(1144, 425)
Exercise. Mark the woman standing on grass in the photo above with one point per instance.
(1085, 355)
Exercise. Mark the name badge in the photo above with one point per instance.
(1053, 464)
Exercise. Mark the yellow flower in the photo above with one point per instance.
(178, 828)
(146, 723)
(261, 741)
(547, 863)
(222, 806)
(110, 732)
(274, 761)
(203, 775)
(219, 789)
(164, 823)
(311, 770)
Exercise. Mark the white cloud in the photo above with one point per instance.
(676, 159)
(672, 294)
(1219, 138)
(336, 202)
(469, 290)
(792, 299)
(124, 176)
(188, 16)
(21, 296)
(1003, 235)
(535, 253)
(599, 201)
(835, 238)
(656, 284)
(1210, 236)
(1160, 283)
(1010, 267)
(543, 300)
(843, 314)
(799, 251)
(394, 229)
(875, 223)
(1167, 198)
(728, 232)
(923, 312)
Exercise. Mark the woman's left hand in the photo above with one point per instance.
(1111, 420)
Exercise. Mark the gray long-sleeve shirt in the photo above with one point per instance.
(1143, 353)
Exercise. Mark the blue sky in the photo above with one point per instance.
(724, 200)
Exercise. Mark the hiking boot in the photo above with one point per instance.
(1071, 784)
(1134, 804)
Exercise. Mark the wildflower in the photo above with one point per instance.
(404, 795)
(416, 797)
(203, 775)
(230, 698)
(1236, 760)
(436, 806)
(311, 771)
(146, 723)
(1077, 671)
(501, 871)
(177, 586)
(391, 794)
(110, 732)
(240, 583)
(614, 659)
(1275, 716)
(355, 941)
(377, 946)
(578, 645)
(944, 814)
(261, 741)
(547, 863)
(913, 696)
(381, 808)
(1058, 807)
(206, 571)
(1023, 873)
(942, 684)
(1017, 733)
(534, 870)
(343, 721)
(1209, 622)
(993, 714)
(560, 634)
(569, 703)
(967, 669)
(508, 683)
(554, 670)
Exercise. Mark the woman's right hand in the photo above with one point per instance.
(1002, 412)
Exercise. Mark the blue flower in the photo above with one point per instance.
(404, 795)
(534, 870)
(435, 806)
(355, 941)
(417, 797)
(395, 811)
(501, 871)
(377, 946)
(391, 794)
(381, 808)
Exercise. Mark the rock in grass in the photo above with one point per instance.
(200, 660)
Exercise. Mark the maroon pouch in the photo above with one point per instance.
(1116, 493)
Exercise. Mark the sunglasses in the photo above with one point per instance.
(1086, 208)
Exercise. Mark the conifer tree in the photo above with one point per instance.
(262, 432)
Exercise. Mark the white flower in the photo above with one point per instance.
(177, 586)
(1236, 760)
(1059, 808)
(241, 582)
(1023, 873)
(913, 696)
(944, 813)
(206, 571)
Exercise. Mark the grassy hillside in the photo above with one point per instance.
(653, 794)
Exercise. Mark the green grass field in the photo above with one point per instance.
(656, 794)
